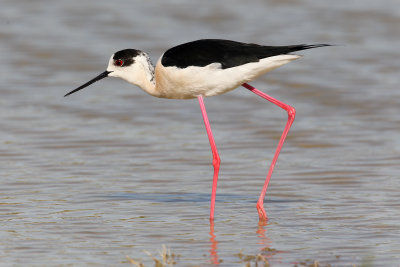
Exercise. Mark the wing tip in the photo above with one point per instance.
(305, 46)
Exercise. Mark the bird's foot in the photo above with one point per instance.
(261, 212)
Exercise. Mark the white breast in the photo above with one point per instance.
(190, 82)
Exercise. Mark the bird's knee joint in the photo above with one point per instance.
(216, 161)
(291, 112)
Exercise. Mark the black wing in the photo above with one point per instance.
(228, 53)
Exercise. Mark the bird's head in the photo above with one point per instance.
(127, 64)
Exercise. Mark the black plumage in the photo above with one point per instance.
(127, 56)
(228, 53)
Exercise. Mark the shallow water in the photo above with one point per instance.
(110, 172)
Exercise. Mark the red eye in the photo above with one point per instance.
(119, 62)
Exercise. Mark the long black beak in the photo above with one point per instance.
(101, 76)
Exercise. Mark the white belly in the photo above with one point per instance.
(190, 82)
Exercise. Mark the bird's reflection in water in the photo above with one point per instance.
(264, 241)
(267, 253)
(213, 245)
(263, 256)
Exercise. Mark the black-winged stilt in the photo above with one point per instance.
(202, 68)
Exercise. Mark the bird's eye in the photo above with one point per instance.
(119, 62)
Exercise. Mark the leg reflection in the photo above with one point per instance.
(265, 242)
(267, 253)
(213, 245)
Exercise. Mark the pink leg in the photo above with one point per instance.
(216, 160)
(291, 114)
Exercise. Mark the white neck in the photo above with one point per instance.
(146, 79)
(144, 75)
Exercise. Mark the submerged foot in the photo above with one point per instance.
(261, 212)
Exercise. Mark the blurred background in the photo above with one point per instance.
(101, 176)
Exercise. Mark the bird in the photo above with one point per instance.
(203, 68)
